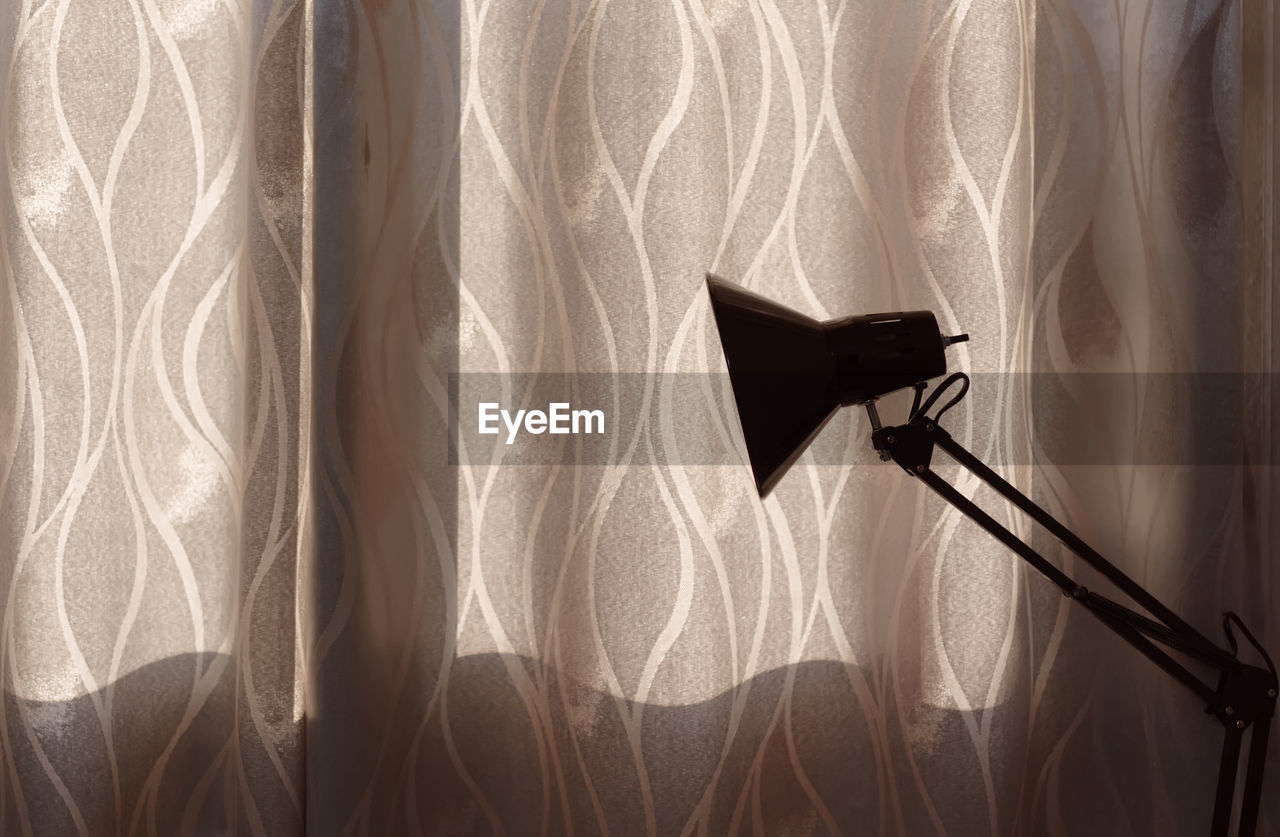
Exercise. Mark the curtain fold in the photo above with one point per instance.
(257, 582)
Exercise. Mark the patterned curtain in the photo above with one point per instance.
(250, 247)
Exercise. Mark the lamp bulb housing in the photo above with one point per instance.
(790, 373)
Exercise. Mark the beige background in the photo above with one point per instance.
(245, 242)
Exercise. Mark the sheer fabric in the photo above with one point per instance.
(248, 243)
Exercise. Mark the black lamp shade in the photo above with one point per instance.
(790, 373)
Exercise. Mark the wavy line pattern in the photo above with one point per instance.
(153, 378)
(246, 242)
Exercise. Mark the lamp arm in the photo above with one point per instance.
(1245, 694)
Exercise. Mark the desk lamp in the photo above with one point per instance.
(791, 373)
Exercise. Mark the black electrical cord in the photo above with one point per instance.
(923, 410)
(1229, 617)
(915, 401)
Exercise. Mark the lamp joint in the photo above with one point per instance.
(1245, 694)
(910, 445)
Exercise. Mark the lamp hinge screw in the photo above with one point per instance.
(1271, 692)
(929, 427)
(919, 469)
(891, 439)
(1230, 710)
(1239, 724)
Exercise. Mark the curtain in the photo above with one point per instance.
(253, 251)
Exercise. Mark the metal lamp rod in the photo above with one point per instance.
(1245, 694)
